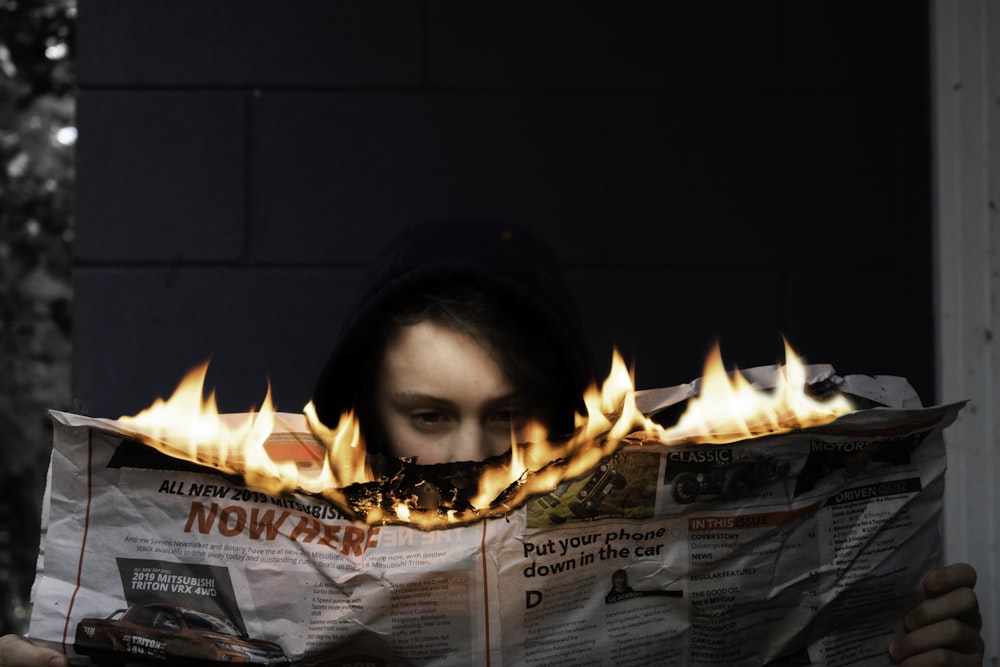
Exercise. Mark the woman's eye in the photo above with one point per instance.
(427, 418)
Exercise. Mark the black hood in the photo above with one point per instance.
(503, 257)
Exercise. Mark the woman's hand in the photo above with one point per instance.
(16, 652)
(944, 629)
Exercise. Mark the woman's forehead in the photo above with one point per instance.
(431, 359)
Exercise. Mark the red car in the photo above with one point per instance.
(164, 633)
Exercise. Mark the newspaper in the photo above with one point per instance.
(803, 548)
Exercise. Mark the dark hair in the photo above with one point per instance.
(507, 331)
(496, 281)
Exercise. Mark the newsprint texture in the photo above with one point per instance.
(797, 549)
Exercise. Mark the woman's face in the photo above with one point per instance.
(441, 397)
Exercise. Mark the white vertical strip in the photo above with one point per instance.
(966, 71)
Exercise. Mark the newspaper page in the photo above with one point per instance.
(803, 548)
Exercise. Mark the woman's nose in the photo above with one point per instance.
(475, 442)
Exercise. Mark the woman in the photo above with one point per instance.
(471, 303)
(620, 589)
(464, 331)
(467, 329)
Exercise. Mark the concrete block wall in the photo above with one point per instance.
(730, 169)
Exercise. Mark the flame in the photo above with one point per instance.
(190, 427)
(729, 408)
(332, 462)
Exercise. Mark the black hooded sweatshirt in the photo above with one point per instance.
(505, 259)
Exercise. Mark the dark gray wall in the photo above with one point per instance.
(734, 169)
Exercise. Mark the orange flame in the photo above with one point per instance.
(190, 427)
(728, 409)
(331, 462)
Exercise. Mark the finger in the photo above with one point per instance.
(948, 578)
(961, 604)
(16, 652)
(951, 636)
(941, 658)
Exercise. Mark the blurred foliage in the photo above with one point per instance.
(37, 137)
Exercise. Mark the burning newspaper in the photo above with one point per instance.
(804, 547)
